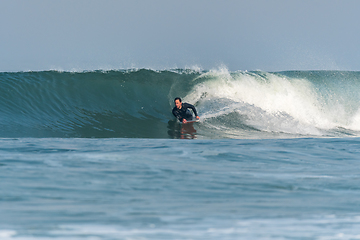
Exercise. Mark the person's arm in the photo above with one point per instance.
(188, 105)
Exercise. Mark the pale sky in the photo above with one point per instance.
(268, 35)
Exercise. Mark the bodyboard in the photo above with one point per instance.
(192, 121)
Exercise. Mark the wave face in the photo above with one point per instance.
(138, 104)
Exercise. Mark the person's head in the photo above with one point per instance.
(177, 102)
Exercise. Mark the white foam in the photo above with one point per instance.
(327, 227)
(355, 121)
(278, 103)
(316, 227)
(7, 234)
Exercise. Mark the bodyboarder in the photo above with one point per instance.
(181, 111)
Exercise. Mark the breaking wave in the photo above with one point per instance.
(138, 103)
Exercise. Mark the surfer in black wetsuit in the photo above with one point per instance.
(181, 111)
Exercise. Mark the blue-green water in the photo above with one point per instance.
(138, 103)
(97, 155)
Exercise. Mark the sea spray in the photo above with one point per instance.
(274, 102)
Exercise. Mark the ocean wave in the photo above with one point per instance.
(138, 103)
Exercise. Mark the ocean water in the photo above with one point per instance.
(97, 155)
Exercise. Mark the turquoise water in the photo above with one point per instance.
(179, 189)
(138, 104)
(97, 155)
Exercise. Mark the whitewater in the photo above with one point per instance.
(98, 155)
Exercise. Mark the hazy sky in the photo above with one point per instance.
(269, 35)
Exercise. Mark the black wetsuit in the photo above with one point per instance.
(184, 112)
